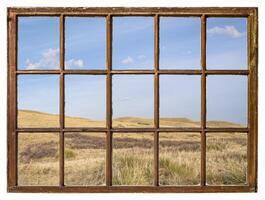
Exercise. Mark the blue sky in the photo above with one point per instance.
(180, 43)
(86, 42)
(133, 43)
(227, 43)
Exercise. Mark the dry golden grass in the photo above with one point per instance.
(31, 119)
(179, 156)
(38, 159)
(227, 158)
(38, 155)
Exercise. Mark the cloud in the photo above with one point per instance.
(141, 57)
(127, 61)
(74, 63)
(50, 60)
(229, 31)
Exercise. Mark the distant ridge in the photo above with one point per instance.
(31, 118)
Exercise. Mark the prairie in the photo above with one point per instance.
(133, 155)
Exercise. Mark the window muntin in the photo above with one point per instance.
(156, 73)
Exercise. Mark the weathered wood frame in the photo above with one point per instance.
(252, 73)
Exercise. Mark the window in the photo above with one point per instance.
(132, 100)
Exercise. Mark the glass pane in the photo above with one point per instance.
(38, 42)
(226, 158)
(180, 101)
(85, 40)
(133, 42)
(38, 101)
(180, 42)
(133, 159)
(38, 159)
(84, 156)
(85, 101)
(226, 43)
(179, 158)
(226, 101)
(133, 102)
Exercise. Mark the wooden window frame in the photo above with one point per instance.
(251, 72)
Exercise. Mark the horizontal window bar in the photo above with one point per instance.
(131, 11)
(124, 189)
(223, 72)
(132, 71)
(95, 72)
(179, 71)
(84, 129)
(31, 130)
(63, 71)
(38, 71)
(227, 129)
(144, 14)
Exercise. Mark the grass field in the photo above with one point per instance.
(179, 154)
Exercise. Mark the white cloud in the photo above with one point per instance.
(230, 31)
(50, 60)
(141, 57)
(127, 61)
(74, 63)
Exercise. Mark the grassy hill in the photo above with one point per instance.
(28, 118)
(85, 153)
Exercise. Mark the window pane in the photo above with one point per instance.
(179, 158)
(133, 159)
(133, 42)
(85, 101)
(38, 159)
(226, 158)
(38, 101)
(227, 43)
(180, 42)
(85, 40)
(226, 101)
(133, 101)
(84, 156)
(180, 101)
(38, 42)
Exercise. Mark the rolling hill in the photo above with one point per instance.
(28, 118)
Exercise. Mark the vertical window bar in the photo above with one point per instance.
(203, 100)
(62, 53)
(252, 99)
(156, 101)
(248, 62)
(109, 102)
(12, 100)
